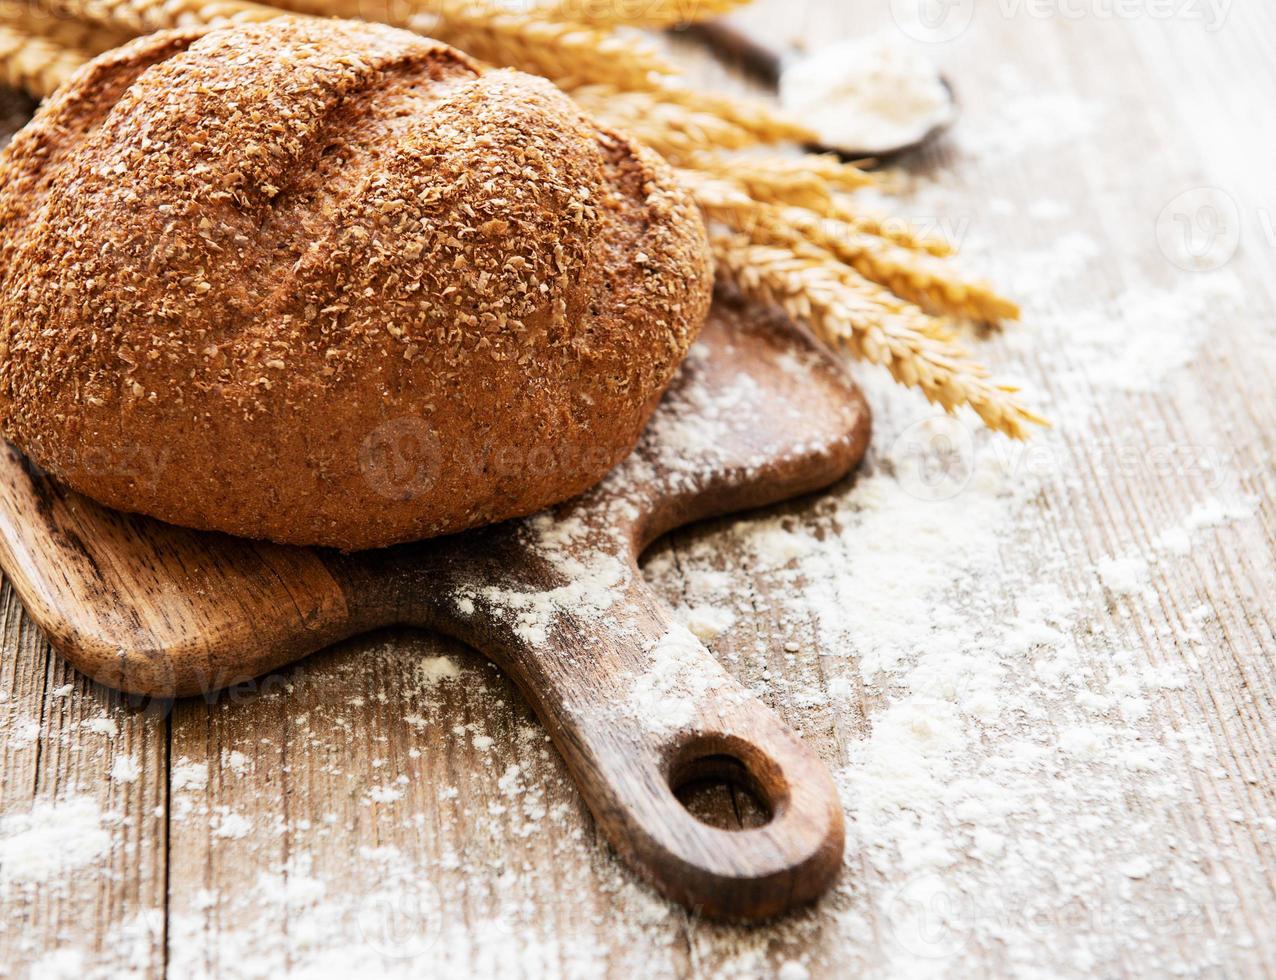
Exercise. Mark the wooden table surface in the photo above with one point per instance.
(1042, 676)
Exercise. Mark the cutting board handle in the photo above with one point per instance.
(639, 707)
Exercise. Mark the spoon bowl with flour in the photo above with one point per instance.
(875, 96)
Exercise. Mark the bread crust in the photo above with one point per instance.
(332, 283)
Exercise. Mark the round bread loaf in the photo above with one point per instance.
(327, 282)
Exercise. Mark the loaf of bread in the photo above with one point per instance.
(326, 282)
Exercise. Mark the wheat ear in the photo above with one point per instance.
(896, 230)
(674, 131)
(143, 16)
(816, 182)
(26, 18)
(678, 127)
(918, 277)
(767, 125)
(809, 181)
(849, 312)
(568, 54)
(635, 13)
(35, 64)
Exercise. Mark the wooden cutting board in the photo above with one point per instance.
(636, 705)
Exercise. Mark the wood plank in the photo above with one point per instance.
(82, 816)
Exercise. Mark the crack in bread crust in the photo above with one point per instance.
(329, 282)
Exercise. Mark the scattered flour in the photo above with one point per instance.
(1004, 725)
(125, 769)
(188, 776)
(679, 674)
(385, 794)
(1019, 119)
(52, 840)
(1123, 576)
(706, 621)
(229, 825)
(435, 670)
(1143, 336)
(101, 726)
(23, 733)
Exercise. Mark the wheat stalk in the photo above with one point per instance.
(635, 13)
(849, 312)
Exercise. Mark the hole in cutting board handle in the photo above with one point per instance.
(718, 791)
(715, 784)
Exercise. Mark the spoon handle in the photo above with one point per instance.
(741, 48)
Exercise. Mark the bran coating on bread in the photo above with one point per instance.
(327, 282)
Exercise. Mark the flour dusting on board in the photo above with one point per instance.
(592, 579)
(681, 673)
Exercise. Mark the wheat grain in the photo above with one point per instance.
(33, 63)
(849, 312)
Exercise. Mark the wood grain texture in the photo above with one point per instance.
(487, 862)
